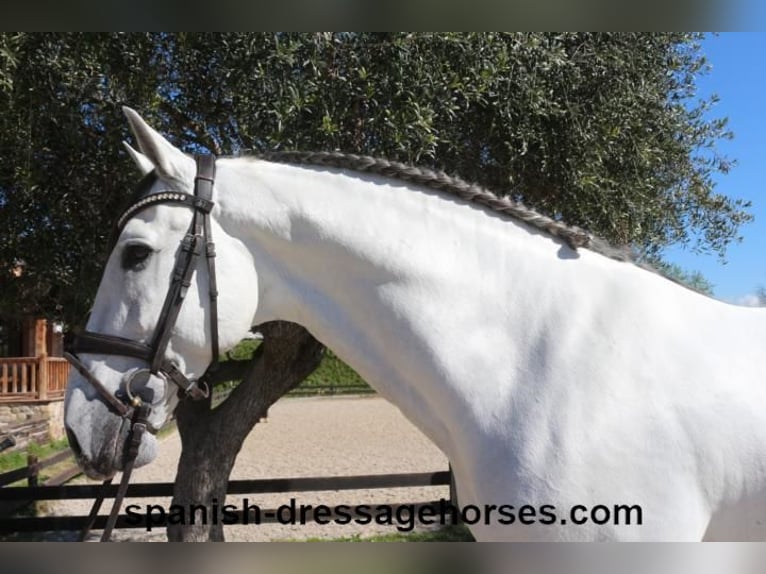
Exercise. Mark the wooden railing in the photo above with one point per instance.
(32, 378)
(58, 373)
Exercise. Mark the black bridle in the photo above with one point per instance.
(128, 403)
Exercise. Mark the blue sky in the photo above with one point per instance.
(739, 78)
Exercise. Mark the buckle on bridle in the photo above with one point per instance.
(192, 243)
(196, 390)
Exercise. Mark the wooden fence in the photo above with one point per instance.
(31, 473)
(32, 378)
(22, 495)
(331, 389)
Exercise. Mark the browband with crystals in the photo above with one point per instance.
(196, 202)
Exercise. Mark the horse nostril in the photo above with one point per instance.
(73, 444)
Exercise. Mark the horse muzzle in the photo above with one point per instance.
(103, 449)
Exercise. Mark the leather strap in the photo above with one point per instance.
(121, 408)
(190, 388)
(97, 343)
(203, 188)
(178, 197)
(191, 248)
(137, 430)
(179, 285)
(94, 511)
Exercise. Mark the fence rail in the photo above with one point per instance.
(331, 389)
(32, 378)
(260, 486)
(269, 516)
(32, 471)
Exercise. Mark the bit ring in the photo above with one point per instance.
(134, 398)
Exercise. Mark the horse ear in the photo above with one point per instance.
(142, 162)
(170, 162)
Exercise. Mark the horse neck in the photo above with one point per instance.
(321, 238)
(377, 271)
(433, 301)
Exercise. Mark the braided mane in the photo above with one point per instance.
(437, 180)
(471, 192)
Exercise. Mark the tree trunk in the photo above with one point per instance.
(211, 439)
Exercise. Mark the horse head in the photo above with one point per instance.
(156, 320)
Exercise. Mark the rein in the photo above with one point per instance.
(127, 402)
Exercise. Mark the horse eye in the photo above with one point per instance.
(134, 257)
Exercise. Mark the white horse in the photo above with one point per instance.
(560, 382)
